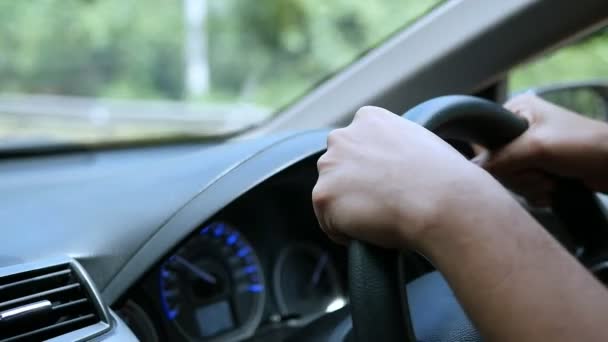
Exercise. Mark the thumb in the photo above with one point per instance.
(521, 153)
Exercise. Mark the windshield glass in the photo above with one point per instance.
(95, 71)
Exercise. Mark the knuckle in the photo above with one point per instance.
(525, 97)
(335, 136)
(367, 112)
(320, 196)
(322, 162)
(370, 116)
(511, 105)
(519, 101)
(537, 147)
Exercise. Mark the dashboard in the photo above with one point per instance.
(150, 225)
(261, 268)
(202, 241)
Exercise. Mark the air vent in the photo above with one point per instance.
(45, 301)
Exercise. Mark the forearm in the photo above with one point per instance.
(514, 280)
(583, 155)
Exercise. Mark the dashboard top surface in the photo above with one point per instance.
(117, 212)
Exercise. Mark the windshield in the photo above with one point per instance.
(95, 71)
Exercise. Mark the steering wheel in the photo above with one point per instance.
(378, 298)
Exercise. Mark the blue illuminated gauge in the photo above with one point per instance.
(212, 288)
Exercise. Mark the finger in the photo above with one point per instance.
(526, 114)
(321, 203)
(370, 111)
(369, 116)
(522, 153)
(478, 149)
(481, 158)
(324, 163)
(522, 100)
(336, 136)
(320, 199)
(522, 106)
(336, 141)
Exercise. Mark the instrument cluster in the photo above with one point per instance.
(247, 273)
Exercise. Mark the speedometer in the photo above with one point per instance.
(213, 287)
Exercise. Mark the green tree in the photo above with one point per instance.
(265, 52)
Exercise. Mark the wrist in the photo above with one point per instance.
(467, 214)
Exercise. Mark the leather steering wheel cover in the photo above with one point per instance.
(372, 275)
(470, 119)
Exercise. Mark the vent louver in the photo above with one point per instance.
(46, 302)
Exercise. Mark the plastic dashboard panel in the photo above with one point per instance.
(118, 212)
(218, 194)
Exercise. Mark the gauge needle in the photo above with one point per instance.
(206, 276)
(316, 275)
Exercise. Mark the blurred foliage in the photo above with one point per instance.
(91, 48)
(261, 52)
(266, 52)
(584, 60)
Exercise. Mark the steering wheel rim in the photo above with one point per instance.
(376, 275)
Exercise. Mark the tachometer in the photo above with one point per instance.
(213, 287)
(306, 283)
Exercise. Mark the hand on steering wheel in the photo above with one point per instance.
(378, 303)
